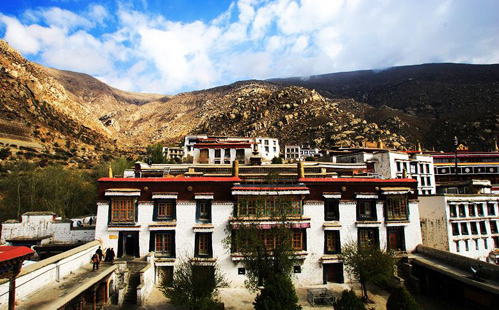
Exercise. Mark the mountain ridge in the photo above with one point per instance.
(452, 98)
(73, 117)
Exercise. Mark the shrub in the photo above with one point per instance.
(277, 160)
(278, 294)
(196, 287)
(4, 153)
(401, 299)
(349, 301)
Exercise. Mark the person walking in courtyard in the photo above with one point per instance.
(111, 258)
(99, 252)
(108, 255)
(95, 262)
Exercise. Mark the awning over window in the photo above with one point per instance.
(130, 192)
(297, 225)
(395, 190)
(164, 195)
(366, 195)
(332, 195)
(270, 191)
(203, 196)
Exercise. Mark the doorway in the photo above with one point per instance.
(333, 273)
(396, 239)
(128, 243)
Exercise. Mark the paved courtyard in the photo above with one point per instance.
(242, 299)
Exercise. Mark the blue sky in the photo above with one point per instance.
(171, 46)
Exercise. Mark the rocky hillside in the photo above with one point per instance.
(431, 103)
(293, 114)
(39, 118)
(50, 115)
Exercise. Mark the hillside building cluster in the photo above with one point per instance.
(399, 201)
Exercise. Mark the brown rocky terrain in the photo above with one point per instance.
(431, 103)
(41, 119)
(73, 117)
(53, 115)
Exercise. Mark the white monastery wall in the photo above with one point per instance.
(35, 226)
(34, 277)
(434, 222)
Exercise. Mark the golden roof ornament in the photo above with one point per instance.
(110, 172)
(380, 144)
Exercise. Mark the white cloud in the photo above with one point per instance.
(18, 36)
(58, 17)
(98, 13)
(141, 51)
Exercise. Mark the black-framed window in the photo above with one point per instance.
(474, 228)
(203, 245)
(299, 239)
(483, 228)
(368, 237)
(203, 211)
(163, 243)
(332, 244)
(471, 210)
(479, 208)
(453, 210)
(366, 210)
(164, 210)
(396, 207)
(462, 212)
(332, 210)
(455, 229)
(464, 229)
(493, 227)
(491, 209)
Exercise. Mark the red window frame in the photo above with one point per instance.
(164, 244)
(123, 210)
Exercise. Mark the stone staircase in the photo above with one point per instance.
(134, 268)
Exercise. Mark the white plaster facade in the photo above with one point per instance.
(268, 148)
(173, 152)
(461, 223)
(297, 152)
(45, 227)
(222, 155)
(36, 276)
(393, 165)
(292, 152)
(185, 227)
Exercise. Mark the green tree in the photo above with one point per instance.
(349, 301)
(401, 299)
(278, 294)
(194, 286)
(155, 154)
(4, 152)
(368, 264)
(277, 160)
(267, 255)
(66, 191)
